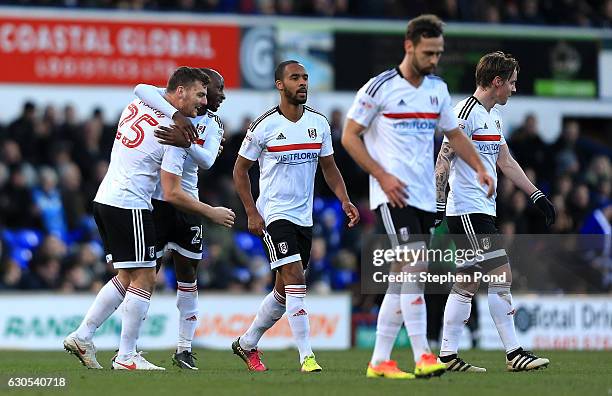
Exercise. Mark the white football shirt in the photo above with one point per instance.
(288, 154)
(485, 129)
(400, 121)
(136, 159)
(202, 153)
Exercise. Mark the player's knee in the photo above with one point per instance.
(500, 287)
(143, 278)
(465, 288)
(124, 278)
(503, 273)
(185, 273)
(293, 274)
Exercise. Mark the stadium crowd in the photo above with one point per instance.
(585, 13)
(51, 164)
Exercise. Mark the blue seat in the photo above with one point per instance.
(21, 256)
(249, 243)
(24, 238)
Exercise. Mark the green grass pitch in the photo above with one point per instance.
(221, 373)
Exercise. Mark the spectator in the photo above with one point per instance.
(578, 170)
(22, 128)
(89, 151)
(562, 12)
(531, 13)
(579, 204)
(604, 19)
(44, 274)
(527, 146)
(19, 210)
(90, 188)
(73, 200)
(11, 153)
(69, 129)
(48, 202)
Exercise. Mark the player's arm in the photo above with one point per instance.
(170, 177)
(154, 97)
(334, 180)
(243, 188)
(175, 195)
(464, 148)
(393, 187)
(205, 155)
(443, 164)
(513, 171)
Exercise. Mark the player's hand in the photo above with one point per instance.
(172, 136)
(256, 224)
(185, 123)
(221, 147)
(545, 206)
(440, 212)
(394, 188)
(351, 212)
(223, 216)
(486, 180)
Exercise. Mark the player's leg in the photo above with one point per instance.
(135, 256)
(187, 303)
(292, 275)
(304, 245)
(108, 299)
(273, 305)
(456, 315)
(390, 317)
(136, 306)
(270, 311)
(459, 303)
(80, 342)
(185, 242)
(412, 227)
(482, 232)
(502, 311)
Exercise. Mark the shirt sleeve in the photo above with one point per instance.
(204, 152)
(327, 147)
(154, 97)
(364, 107)
(448, 118)
(252, 145)
(465, 125)
(173, 160)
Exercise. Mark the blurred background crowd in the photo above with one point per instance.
(584, 13)
(51, 164)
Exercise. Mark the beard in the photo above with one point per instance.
(422, 71)
(293, 97)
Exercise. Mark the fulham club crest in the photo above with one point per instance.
(283, 247)
(312, 132)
